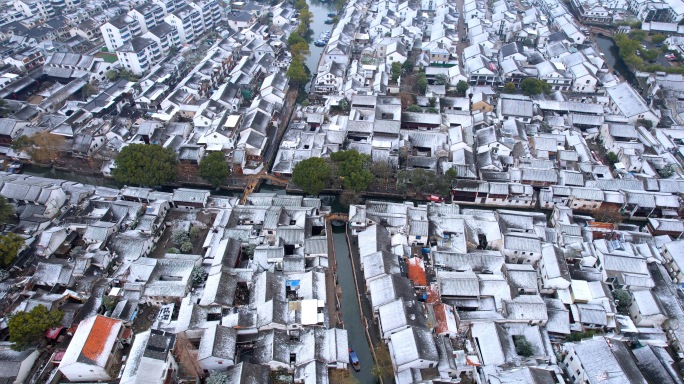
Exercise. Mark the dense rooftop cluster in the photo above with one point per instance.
(250, 295)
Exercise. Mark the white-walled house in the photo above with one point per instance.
(413, 348)
(217, 348)
(93, 350)
(645, 310)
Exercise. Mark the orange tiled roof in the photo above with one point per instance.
(432, 295)
(416, 271)
(440, 317)
(95, 345)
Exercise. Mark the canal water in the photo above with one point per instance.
(351, 315)
(610, 51)
(320, 12)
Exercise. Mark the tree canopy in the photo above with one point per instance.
(214, 168)
(510, 88)
(10, 246)
(6, 210)
(532, 86)
(300, 49)
(149, 165)
(27, 328)
(522, 346)
(354, 169)
(297, 72)
(422, 82)
(462, 87)
(312, 175)
(295, 38)
(658, 38)
(396, 71)
(44, 146)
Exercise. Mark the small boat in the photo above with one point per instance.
(332, 14)
(329, 21)
(354, 359)
(15, 167)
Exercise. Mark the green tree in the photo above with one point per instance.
(6, 210)
(382, 170)
(297, 73)
(637, 34)
(173, 250)
(88, 90)
(422, 83)
(179, 237)
(295, 38)
(301, 4)
(624, 300)
(27, 328)
(312, 175)
(342, 377)
(396, 71)
(510, 88)
(414, 108)
(522, 346)
(217, 377)
(432, 102)
(214, 168)
(648, 124)
(431, 110)
(442, 80)
(383, 367)
(198, 276)
(450, 174)
(532, 86)
(186, 247)
(305, 17)
(353, 168)
(113, 75)
(407, 66)
(300, 49)
(462, 87)
(649, 54)
(21, 143)
(612, 158)
(658, 38)
(195, 231)
(109, 302)
(4, 108)
(141, 164)
(577, 336)
(10, 246)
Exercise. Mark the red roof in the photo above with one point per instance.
(440, 317)
(53, 333)
(97, 339)
(58, 356)
(432, 296)
(416, 271)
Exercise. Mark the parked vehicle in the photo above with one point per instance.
(354, 359)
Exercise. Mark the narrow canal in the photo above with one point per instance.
(610, 52)
(320, 12)
(351, 315)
